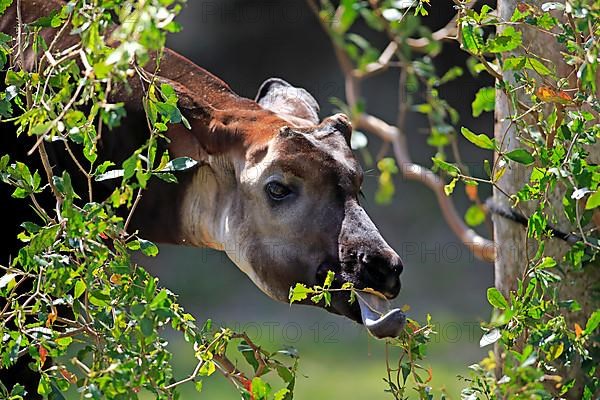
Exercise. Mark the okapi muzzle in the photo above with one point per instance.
(366, 260)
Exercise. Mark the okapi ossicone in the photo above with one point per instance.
(275, 187)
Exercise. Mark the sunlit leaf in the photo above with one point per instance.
(475, 215)
(485, 99)
(593, 201)
(496, 299)
(521, 156)
(479, 140)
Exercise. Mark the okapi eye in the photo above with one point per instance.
(277, 191)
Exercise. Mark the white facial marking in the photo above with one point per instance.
(209, 216)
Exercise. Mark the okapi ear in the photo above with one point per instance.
(291, 103)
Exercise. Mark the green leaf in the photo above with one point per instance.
(64, 342)
(148, 248)
(168, 93)
(41, 128)
(451, 74)
(138, 309)
(481, 140)
(471, 38)
(4, 4)
(169, 111)
(593, 201)
(519, 15)
(53, 20)
(520, 63)
(451, 169)
(248, 353)
(14, 78)
(329, 279)
(496, 299)
(521, 156)
(99, 299)
(485, 100)
(281, 394)
(6, 279)
(44, 238)
(592, 322)
(449, 188)
(207, 368)
(475, 215)
(299, 292)
(487, 167)
(260, 389)
(80, 287)
(147, 327)
(198, 386)
(101, 169)
(547, 262)
(348, 16)
(387, 164)
(179, 164)
(509, 39)
(555, 351)
(372, 20)
(158, 300)
(44, 387)
(129, 166)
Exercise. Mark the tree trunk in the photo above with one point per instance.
(513, 246)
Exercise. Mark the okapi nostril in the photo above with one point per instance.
(382, 275)
(362, 257)
(399, 267)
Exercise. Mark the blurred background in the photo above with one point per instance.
(246, 42)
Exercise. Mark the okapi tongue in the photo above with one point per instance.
(378, 318)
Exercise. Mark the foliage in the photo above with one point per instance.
(412, 342)
(73, 294)
(556, 117)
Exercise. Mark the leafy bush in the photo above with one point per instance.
(73, 294)
(546, 336)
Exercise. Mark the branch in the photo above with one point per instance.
(481, 247)
(229, 371)
(42, 149)
(380, 65)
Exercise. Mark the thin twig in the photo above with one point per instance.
(60, 116)
(448, 32)
(138, 197)
(80, 167)
(190, 378)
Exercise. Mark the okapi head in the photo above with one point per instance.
(278, 190)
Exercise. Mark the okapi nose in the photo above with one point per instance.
(382, 273)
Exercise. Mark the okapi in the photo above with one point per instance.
(275, 187)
